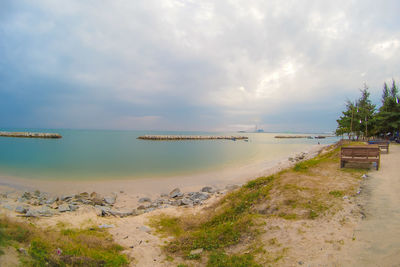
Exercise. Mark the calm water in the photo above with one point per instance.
(98, 154)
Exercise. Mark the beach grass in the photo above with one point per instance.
(60, 247)
(302, 192)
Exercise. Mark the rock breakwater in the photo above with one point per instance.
(30, 135)
(190, 137)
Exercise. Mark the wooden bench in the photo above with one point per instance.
(383, 145)
(360, 154)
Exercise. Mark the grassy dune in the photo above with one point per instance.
(230, 231)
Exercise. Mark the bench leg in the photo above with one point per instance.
(377, 165)
(341, 164)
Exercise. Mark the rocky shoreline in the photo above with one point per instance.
(34, 203)
(41, 204)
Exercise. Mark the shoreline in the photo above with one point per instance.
(152, 186)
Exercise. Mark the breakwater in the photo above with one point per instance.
(30, 135)
(302, 136)
(189, 137)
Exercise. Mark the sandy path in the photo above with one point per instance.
(378, 235)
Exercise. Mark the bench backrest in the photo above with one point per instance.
(378, 142)
(360, 151)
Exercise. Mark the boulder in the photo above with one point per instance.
(175, 193)
(97, 201)
(185, 201)
(110, 200)
(144, 199)
(31, 213)
(27, 195)
(21, 209)
(104, 211)
(51, 200)
(45, 211)
(207, 189)
(63, 208)
(73, 207)
(199, 195)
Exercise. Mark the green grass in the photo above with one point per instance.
(235, 217)
(222, 229)
(79, 247)
(220, 259)
(336, 193)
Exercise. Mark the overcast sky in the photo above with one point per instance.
(192, 65)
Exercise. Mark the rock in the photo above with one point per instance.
(37, 193)
(199, 195)
(232, 187)
(110, 200)
(65, 198)
(21, 209)
(186, 201)
(121, 213)
(105, 226)
(300, 263)
(208, 189)
(175, 193)
(145, 229)
(27, 195)
(104, 211)
(144, 206)
(164, 195)
(97, 201)
(73, 207)
(31, 213)
(54, 205)
(63, 208)
(45, 211)
(364, 176)
(51, 200)
(345, 197)
(196, 251)
(84, 195)
(144, 199)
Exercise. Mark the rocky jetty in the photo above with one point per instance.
(30, 135)
(190, 137)
(293, 136)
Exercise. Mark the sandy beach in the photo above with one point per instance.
(153, 187)
(350, 235)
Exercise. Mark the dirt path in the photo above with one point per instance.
(378, 235)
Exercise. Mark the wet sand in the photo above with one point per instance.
(151, 187)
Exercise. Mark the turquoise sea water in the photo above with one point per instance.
(105, 154)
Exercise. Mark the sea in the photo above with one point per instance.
(115, 154)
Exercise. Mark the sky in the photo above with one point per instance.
(192, 65)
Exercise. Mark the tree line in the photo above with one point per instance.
(364, 120)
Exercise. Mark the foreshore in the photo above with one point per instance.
(129, 192)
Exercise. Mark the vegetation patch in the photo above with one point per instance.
(68, 247)
(237, 220)
(336, 193)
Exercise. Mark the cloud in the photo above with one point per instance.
(191, 65)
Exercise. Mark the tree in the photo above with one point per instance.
(388, 118)
(357, 119)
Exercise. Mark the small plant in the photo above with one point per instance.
(336, 193)
(220, 259)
